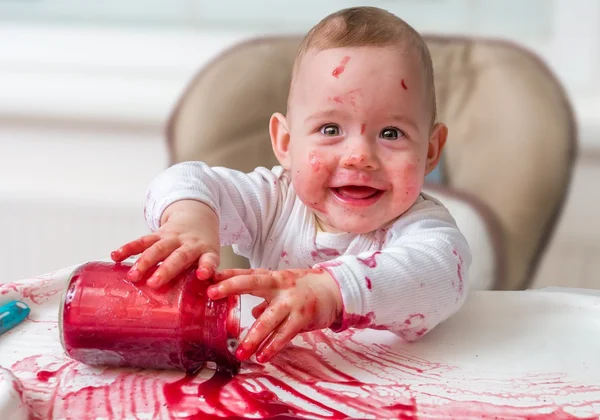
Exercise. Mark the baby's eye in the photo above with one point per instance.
(330, 130)
(391, 133)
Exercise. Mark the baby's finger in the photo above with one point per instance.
(182, 258)
(209, 261)
(279, 339)
(254, 284)
(151, 257)
(259, 309)
(134, 247)
(234, 272)
(260, 330)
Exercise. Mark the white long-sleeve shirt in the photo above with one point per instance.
(405, 277)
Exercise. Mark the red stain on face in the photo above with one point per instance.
(363, 127)
(404, 85)
(341, 67)
(410, 186)
(314, 161)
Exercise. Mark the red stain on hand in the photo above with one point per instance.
(370, 261)
(338, 99)
(363, 127)
(404, 85)
(341, 67)
(289, 277)
(369, 284)
(358, 321)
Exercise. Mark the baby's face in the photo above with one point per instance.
(359, 136)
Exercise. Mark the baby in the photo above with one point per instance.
(340, 235)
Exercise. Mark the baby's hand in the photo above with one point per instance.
(295, 301)
(189, 234)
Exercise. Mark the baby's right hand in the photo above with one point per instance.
(189, 233)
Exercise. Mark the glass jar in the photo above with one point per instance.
(107, 320)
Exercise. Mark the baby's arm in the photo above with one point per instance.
(416, 281)
(242, 207)
(245, 203)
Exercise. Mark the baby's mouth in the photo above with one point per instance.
(357, 194)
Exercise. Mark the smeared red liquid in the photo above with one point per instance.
(38, 293)
(369, 284)
(107, 320)
(45, 375)
(404, 85)
(298, 384)
(341, 67)
(370, 261)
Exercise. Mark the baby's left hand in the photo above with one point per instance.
(295, 301)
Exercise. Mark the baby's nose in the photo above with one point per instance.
(362, 158)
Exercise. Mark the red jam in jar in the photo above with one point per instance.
(107, 320)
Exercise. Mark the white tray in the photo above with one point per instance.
(513, 355)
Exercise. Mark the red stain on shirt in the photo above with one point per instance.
(422, 332)
(341, 67)
(459, 272)
(329, 264)
(324, 253)
(413, 318)
(369, 284)
(370, 261)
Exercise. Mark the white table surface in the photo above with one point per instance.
(530, 354)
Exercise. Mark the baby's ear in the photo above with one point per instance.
(437, 140)
(280, 139)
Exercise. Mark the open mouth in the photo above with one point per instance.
(357, 194)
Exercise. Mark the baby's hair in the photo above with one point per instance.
(370, 26)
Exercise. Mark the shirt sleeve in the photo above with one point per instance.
(246, 204)
(417, 280)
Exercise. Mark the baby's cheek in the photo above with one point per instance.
(310, 179)
(314, 160)
(409, 181)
